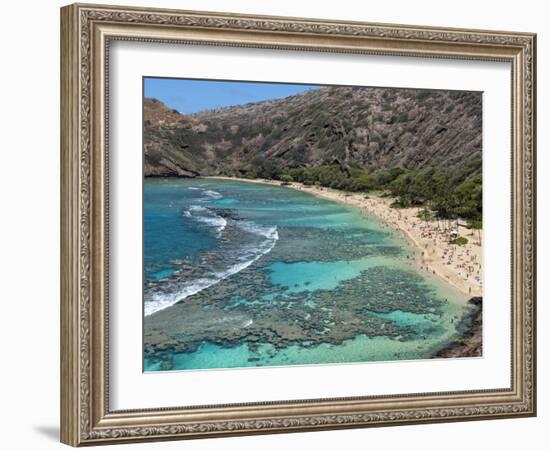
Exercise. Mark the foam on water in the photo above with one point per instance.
(212, 194)
(248, 255)
(208, 217)
(255, 228)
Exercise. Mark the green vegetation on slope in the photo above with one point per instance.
(449, 196)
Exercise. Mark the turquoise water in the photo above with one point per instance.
(241, 274)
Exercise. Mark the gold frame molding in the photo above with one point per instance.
(86, 31)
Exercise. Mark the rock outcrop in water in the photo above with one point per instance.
(470, 327)
(367, 128)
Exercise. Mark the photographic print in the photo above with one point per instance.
(290, 224)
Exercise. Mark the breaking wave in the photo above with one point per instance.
(206, 216)
(244, 257)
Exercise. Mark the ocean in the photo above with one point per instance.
(241, 274)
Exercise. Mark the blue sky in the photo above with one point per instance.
(189, 96)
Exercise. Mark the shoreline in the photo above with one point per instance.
(458, 265)
(470, 342)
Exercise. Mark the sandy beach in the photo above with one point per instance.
(459, 265)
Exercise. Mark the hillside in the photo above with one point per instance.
(370, 127)
(343, 137)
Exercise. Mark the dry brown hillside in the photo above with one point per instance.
(363, 128)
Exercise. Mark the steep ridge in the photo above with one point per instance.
(354, 127)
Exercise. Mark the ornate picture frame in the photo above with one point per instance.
(87, 31)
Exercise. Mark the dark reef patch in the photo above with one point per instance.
(247, 308)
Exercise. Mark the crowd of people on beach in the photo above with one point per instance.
(459, 264)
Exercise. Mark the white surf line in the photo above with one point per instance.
(160, 301)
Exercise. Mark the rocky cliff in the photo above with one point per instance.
(366, 128)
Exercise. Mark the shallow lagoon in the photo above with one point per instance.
(239, 274)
